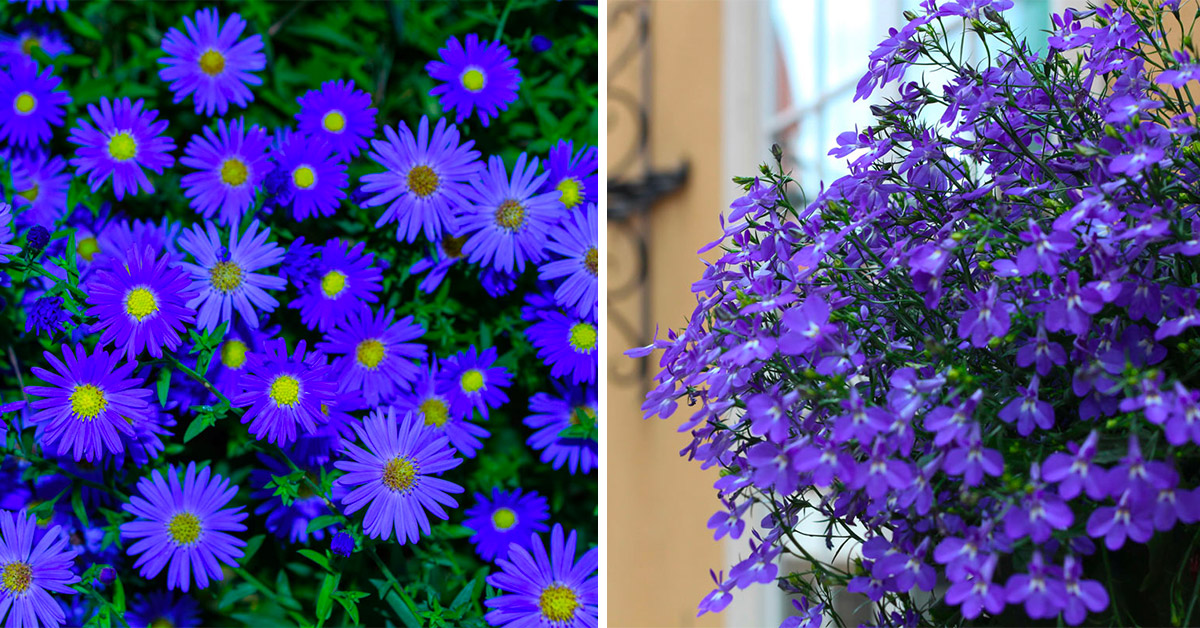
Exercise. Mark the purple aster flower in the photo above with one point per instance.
(6, 233)
(210, 64)
(313, 179)
(118, 239)
(40, 189)
(50, 5)
(445, 254)
(573, 174)
(225, 277)
(509, 517)
(163, 608)
(45, 315)
(27, 36)
(123, 141)
(30, 572)
(285, 391)
(342, 544)
(1082, 595)
(471, 382)
(1027, 410)
(232, 163)
(1039, 589)
(481, 76)
(375, 353)
(574, 248)
(567, 344)
(429, 403)
(339, 114)
(345, 280)
(141, 304)
(30, 104)
(508, 221)
(184, 525)
(424, 181)
(392, 475)
(550, 414)
(89, 403)
(546, 589)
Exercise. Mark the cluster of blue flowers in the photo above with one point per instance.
(348, 408)
(973, 355)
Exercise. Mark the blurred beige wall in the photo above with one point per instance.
(659, 548)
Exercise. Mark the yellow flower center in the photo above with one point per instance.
(31, 194)
(333, 283)
(583, 337)
(504, 519)
(225, 277)
(140, 303)
(184, 528)
(558, 603)
(587, 411)
(234, 172)
(212, 62)
(570, 192)
(87, 401)
(423, 181)
(122, 147)
(24, 103)
(285, 391)
(510, 215)
(472, 380)
(162, 622)
(87, 248)
(453, 246)
(16, 577)
(233, 354)
(592, 261)
(334, 121)
(435, 411)
(304, 177)
(472, 80)
(400, 474)
(370, 353)
(28, 45)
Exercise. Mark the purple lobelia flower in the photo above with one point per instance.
(1073, 310)
(977, 592)
(1040, 589)
(1082, 595)
(1039, 513)
(1075, 472)
(1028, 410)
(972, 460)
(987, 317)
(805, 327)
(1043, 251)
(1041, 352)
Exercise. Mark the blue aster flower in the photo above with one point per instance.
(123, 141)
(508, 517)
(141, 304)
(374, 353)
(118, 238)
(546, 589)
(40, 189)
(27, 36)
(210, 64)
(232, 163)
(226, 277)
(30, 104)
(339, 114)
(430, 404)
(444, 255)
(574, 247)
(185, 525)
(6, 233)
(344, 281)
(288, 521)
(229, 360)
(480, 77)
(508, 220)
(425, 179)
(472, 383)
(312, 180)
(50, 5)
(392, 475)
(567, 344)
(550, 415)
(163, 608)
(573, 174)
(89, 404)
(30, 572)
(284, 392)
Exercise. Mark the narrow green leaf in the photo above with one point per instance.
(119, 595)
(81, 26)
(251, 547)
(80, 511)
(198, 424)
(324, 521)
(403, 612)
(316, 557)
(164, 384)
(464, 596)
(325, 597)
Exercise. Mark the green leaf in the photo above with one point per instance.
(80, 511)
(240, 592)
(164, 384)
(464, 597)
(198, 424)
(316, 557)
(403, 612)
(81, 26)
(119, 595)
(40, 56)
(349, 601)
(251, 547)
(324, 521)
(325, 597)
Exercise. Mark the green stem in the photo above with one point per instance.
(503, 18)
